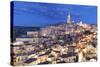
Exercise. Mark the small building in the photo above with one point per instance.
(33, 33)
(28, 39)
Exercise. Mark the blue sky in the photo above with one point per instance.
(42, 14)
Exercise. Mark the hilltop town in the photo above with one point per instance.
(62, 43)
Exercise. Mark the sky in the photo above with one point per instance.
(42, 14)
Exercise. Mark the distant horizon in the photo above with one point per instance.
(35, 14)
(39, 26)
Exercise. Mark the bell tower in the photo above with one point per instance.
(68, 24)
(69, 18)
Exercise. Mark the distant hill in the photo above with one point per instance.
(17, 31)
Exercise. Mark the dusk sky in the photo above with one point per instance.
(41, 14)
